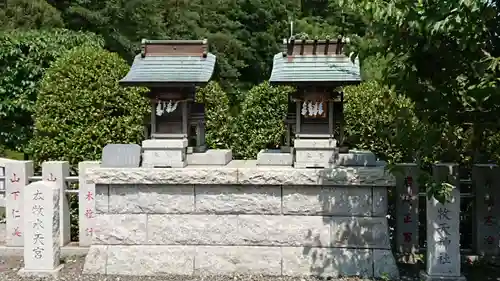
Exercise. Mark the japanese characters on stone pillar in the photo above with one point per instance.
(86, 204)
(407, 189)
(57, 172)
(41, 225)
(443, 235)
(17, 175)
(486, 182)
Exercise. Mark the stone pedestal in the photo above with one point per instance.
(274, 157)
(41, 226)
(216, 157)
(164, 153)
(443, 235)
(314, 153)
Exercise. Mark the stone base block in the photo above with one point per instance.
(218, 157)
(426, 277)
(315, 143)
(357, 158)
(274, 157)
(144, 260)
(164, 153)
(314, 153)
(37, 273)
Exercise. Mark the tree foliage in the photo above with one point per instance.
(260, 122)
(81, 107)
(217, 115)
(29, 14)
(24, 57)
(444, 55)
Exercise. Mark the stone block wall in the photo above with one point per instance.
(249, 229)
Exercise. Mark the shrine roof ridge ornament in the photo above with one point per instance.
(313, 47)
(163, 63)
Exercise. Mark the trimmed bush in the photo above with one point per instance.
(260, 122)
(217, 115)
(24, 57)
(81, 107)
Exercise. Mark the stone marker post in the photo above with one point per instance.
(57, 172)
(41, 224)
(407, 189)
(86, 199)
(17, 175)
(443, 235)
(486, 182)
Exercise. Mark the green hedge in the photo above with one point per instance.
(81, 107)
(259, 124)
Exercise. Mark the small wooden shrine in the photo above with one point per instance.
(318, 69)
(172, 69)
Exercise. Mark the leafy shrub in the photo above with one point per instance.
(260, 122)
(381, 121)
(81, 107)
(24, 57)
(217, 115)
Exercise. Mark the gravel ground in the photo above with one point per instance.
(73, 268)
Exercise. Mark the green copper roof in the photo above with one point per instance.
(315, 68)
(170, 69)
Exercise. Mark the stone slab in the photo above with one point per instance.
(87, 204)
(261, 230)
(52, 273)
(359, 176)
(102, 198)
(326, 262)
(443, 227)
(140, 260)
(357, 158)
(164, 158)
(486, 181)
(314, 143)
(57, 172)
(237, 260)
(274, 157)
(236, 199)
(407, 190)
(339, 201)
(121, 156)
(96, 259)
(218, 157)
(380, 202)
(165, 144)
(120, 229)
(384, 265)
(148, 260)
(17, 175)
(426, 277)
(359, 232)
(205, 175)
(41, 227)
(147, 199)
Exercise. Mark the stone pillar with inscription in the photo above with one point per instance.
(57, 172)
(443, 234)
(17, 175)
(86, 201)
(486, 182)
(41, 224)
(407, 190)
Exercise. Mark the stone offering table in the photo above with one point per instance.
(241, 218)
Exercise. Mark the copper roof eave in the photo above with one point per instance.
(154, 84)
(317, 83)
